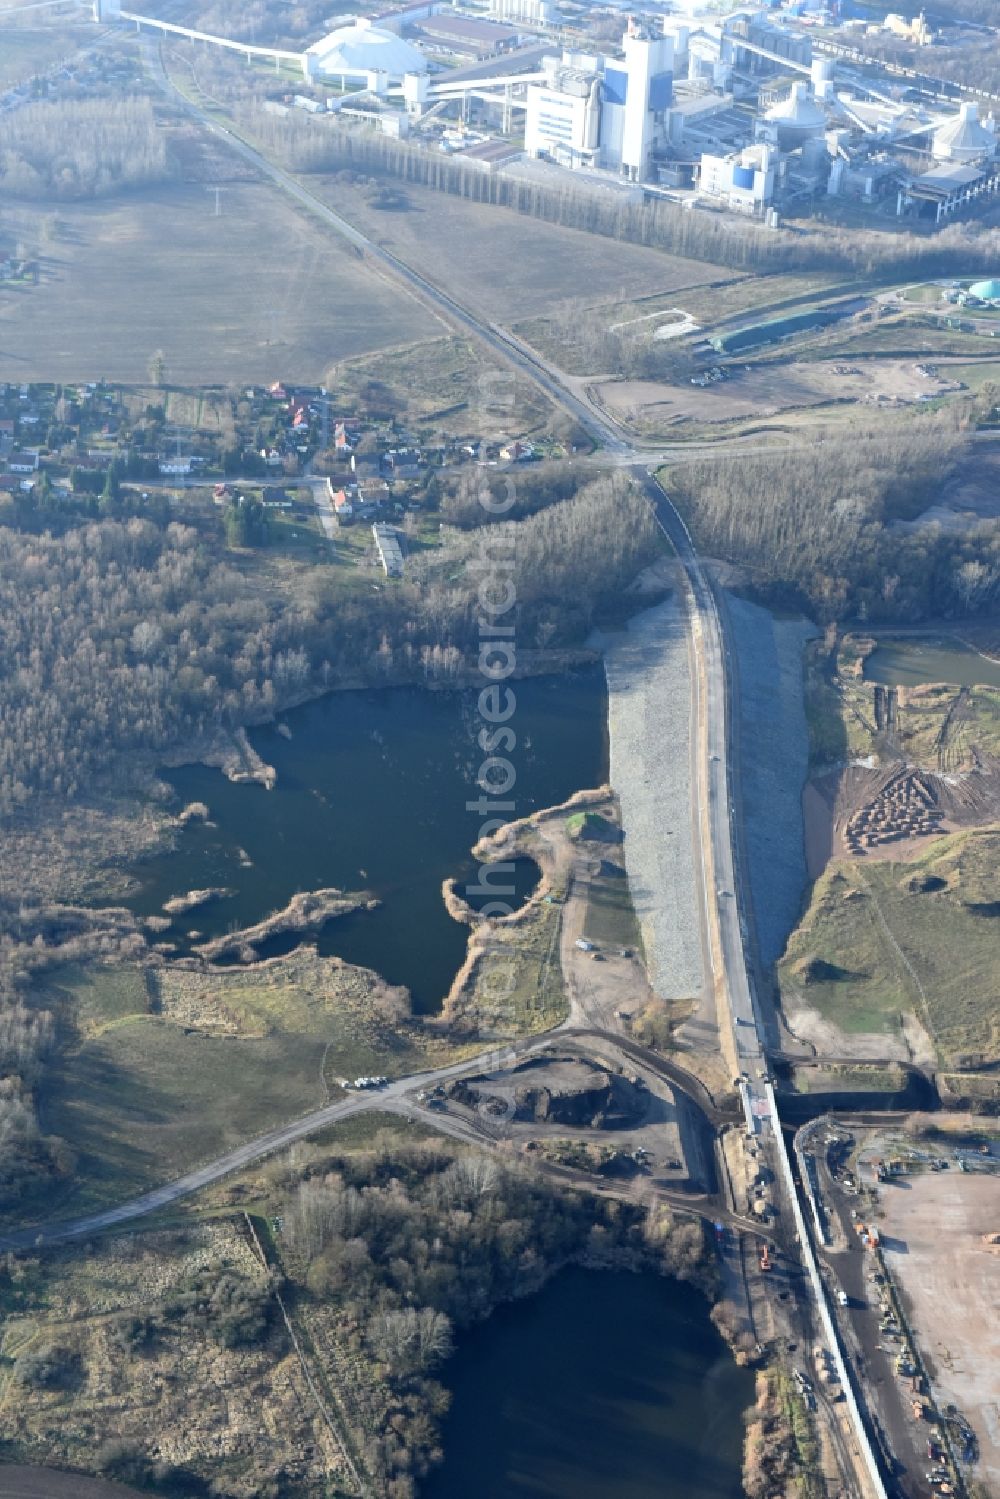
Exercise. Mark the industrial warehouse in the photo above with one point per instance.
(750, 113)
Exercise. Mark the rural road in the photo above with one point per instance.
(244, 1155)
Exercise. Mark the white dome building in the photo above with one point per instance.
(357, 51)
(964, 138)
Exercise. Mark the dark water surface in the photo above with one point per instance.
(604, 1386)
(912, 662)
(371, 794)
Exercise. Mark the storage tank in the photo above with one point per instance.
(964, 137)
(796, 118)
(821, 77)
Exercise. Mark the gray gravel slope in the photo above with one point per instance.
(649, 719)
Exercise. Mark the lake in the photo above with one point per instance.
(371, 794)
(912, 662)
(604, 1386)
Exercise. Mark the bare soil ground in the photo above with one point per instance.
(257, 293)
(933, 1239)
(764, 390)
(831, 802)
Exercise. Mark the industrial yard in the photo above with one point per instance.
(765, 390)
(937, 1232)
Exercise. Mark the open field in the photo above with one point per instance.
(27, 51)
(885, 941)
(255, 294)
(173, 1066)
(137, 1362)
(533, 266)
(933, 1226)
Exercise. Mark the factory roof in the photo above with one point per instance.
(699, 104)
(466, 28)
(949, 177)
(363, 48)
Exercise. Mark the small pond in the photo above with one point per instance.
(910, 662)
(604, 1386)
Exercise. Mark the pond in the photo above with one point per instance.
(604, 1386)
(911, 662)
(372, 794)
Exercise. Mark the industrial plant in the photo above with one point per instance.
(755, 112)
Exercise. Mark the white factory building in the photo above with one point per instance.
(601, 111)
(743, 180)
(563, 118)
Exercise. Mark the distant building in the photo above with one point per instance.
(527, 12)
(357, 51)
(389, 553)
(470, 36)
(744, 180)
(603, 111)
(563, 118)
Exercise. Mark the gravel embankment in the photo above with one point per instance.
(649, 719)
(774, 762)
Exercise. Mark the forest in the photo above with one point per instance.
(408, 1243)
(832, 537)
(121, 638)
(81, 148)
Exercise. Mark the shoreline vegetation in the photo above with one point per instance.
(305, 912)
(527, 938)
